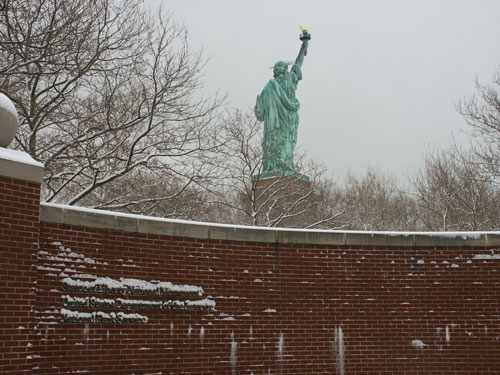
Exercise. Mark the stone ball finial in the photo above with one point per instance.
(8, 120)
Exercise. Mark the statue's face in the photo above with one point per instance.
(279, 68)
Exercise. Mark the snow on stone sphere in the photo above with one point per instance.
(8, 120)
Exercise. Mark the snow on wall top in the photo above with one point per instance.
(18, 157)
(80, 216)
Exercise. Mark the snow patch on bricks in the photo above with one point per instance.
(338, 350)
(419, 344)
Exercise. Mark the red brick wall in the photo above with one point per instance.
(284, 305)
(19, 217)
(280, 308)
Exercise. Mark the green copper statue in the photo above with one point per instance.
(278, 107)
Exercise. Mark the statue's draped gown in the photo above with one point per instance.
(278, 107)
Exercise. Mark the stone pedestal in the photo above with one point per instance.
(281, 196)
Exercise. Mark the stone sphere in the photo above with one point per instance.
(8, 121)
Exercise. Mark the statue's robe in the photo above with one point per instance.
(278, 107)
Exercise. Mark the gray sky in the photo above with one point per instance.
(381, 78)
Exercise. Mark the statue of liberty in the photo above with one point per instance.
(278, 107)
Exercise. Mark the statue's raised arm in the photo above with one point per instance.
(305, 37)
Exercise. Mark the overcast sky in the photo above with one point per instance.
(381, 78)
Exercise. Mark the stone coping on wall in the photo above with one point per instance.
(100, 219)
(20, 165)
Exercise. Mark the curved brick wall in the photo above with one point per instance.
(287, 302)
(86, 291)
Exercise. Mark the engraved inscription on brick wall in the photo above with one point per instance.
(133, 302)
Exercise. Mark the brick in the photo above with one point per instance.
(306, 299)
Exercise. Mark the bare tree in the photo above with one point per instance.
(332, 209)
(482, 114)
(143, 191)
(287, 200)
(453, 194)
(106, 92)
(377, 203)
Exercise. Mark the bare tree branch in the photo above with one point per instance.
(106, 90)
